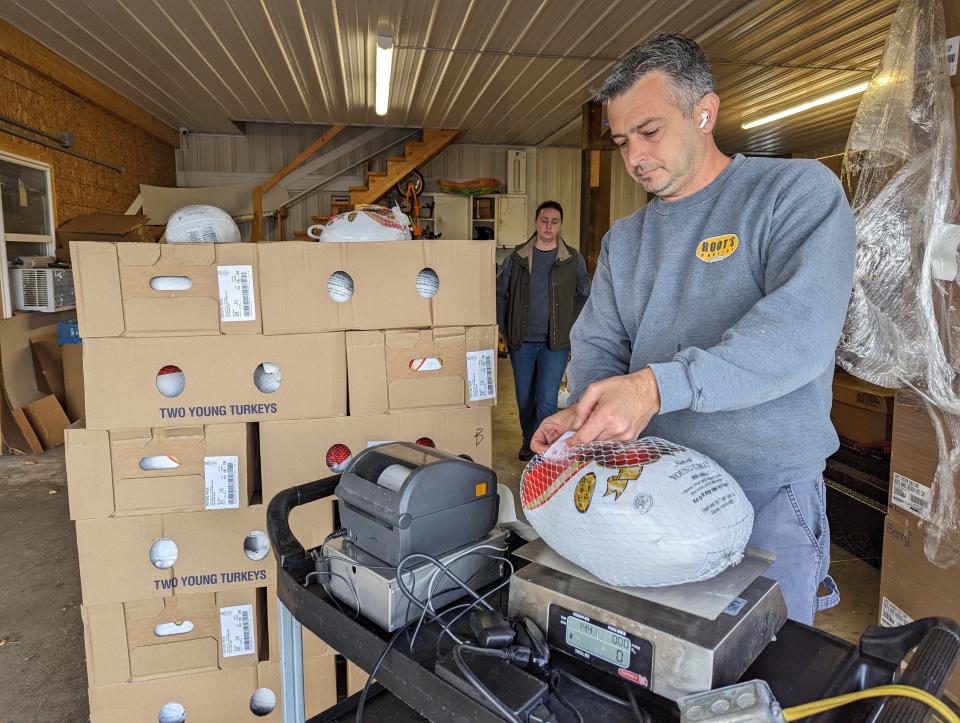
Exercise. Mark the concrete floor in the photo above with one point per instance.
(42, 673)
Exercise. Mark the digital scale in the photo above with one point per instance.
(674, 640)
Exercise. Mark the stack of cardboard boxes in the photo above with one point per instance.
(186, 439)
(912, 587)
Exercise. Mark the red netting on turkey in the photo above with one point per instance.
(638, 514)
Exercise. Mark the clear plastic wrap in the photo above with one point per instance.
(900, 325)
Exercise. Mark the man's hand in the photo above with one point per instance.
(617, 409)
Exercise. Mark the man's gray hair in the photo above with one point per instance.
(688, 72)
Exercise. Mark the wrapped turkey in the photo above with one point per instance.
(638, 514)
(371, 223)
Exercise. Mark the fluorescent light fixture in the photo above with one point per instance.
(384, 65)
(822, 100)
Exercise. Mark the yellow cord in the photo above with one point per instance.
(819, 706)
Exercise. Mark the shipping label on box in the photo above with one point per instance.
(297, 452)
(135, 289)
(134, 383)
(234, 694)
(153, 471)
(314, 287)
(410, 369)
(911, 496)
(173, 636)
(914, 456)
(153, 556)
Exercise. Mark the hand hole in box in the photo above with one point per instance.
(165, 630)
(171, 381)
(428, 283)
(426, 364)
(164, 553)
(256, 545)
(426, 442)
(266, 377)
(159, 462)
(340, 286)
(172, 713)
(263, 701)
(171, 283)
(338, 457)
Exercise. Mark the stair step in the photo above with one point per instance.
(359, 189)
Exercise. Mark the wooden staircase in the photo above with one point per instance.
(415, 154)
(380, 183)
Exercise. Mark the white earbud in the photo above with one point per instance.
(704, 117)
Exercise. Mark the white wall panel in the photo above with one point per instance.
(558, 179)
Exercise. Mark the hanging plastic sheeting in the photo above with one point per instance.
(900, 325)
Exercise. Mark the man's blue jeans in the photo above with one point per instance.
(537, 372)
(791, 522)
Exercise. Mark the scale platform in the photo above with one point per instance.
(674, 640)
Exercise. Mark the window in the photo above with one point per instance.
(26, 215)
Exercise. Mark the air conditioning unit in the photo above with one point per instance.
(42, 289)
(517, 172)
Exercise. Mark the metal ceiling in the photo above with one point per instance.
(512, 72)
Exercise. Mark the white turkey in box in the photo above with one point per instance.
(638, 514)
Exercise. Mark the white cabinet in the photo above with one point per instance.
(513, 224)
(502, 217)
(451, 216)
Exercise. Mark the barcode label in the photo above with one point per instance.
(237, 636)
(204, 234)
(911, 496)
(953, 46)
(481, 374)
(891, 616)
(236, 293)
(221, 476)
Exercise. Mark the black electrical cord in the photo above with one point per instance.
(477, 683)
(639, 713)
(569, 706)
(376, 666)
(593, 689)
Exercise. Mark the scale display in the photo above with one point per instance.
(601, 645)
(599, 641)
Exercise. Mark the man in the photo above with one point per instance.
(541, 289)
(716, 309)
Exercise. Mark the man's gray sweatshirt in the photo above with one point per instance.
(735, 297)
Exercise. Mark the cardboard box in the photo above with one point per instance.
(104, 227)
(392, 371)
(48, 362)
(296, 452)
(913, 457)
(114, 474)
(194, 552)
(48, 420)
(294, 277)
(319, 682)
(120, 380)
(116, 294)
(176, 635)
(912, 587)
(73, 380)
(861, 411)
(313, 646)
(212, 697)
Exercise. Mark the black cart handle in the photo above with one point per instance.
(937, 641)
(286, 547)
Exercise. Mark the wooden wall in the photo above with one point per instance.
(30, 93)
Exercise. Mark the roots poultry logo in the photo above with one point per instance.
(717, 248)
